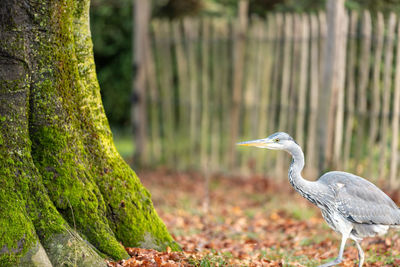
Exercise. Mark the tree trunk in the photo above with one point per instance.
(331, 77)
(66, 195)
(141, 45)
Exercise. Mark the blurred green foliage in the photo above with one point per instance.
(111, 24)
(177, 8)
(384, 6)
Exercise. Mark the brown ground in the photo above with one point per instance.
(248, 222)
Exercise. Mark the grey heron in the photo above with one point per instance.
(351, 205)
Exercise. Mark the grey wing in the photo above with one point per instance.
(360, 201)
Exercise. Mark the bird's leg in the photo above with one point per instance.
(360, 254)
(340, 256)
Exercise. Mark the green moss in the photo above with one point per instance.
(16, 231)
(63, 173)
(58, 152)
(17, 234)
(129, 208)
(60, 160)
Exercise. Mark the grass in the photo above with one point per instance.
(209, 261)
(123, 141)
(287, 256)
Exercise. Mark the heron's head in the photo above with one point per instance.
(276, 141)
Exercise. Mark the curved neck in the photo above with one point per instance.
(301, 185)
(298, 159)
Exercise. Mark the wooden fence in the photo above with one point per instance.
(212, 82)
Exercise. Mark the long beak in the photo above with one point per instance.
(257, 143)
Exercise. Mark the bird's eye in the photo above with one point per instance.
(276, 140)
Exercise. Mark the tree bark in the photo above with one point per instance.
(141, 45)
(327, 99)
(66, 195)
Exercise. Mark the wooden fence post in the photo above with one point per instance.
(266, 61)
(191, 32)
(285, 88)
(183, 92)
(153, 116)
(304, 56)
(254, 95)
(237, 79)
(339, 90)
(376, 86)
(141, 9)
(331, 71)
(311, 167)
(350, 88)
(396, 116)
(387, 85)
(363, 78)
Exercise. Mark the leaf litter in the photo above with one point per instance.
(255, 221)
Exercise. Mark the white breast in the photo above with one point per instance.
(337, 222)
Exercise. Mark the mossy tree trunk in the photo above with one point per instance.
(66, 195)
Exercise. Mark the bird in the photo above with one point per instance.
(352, 206)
